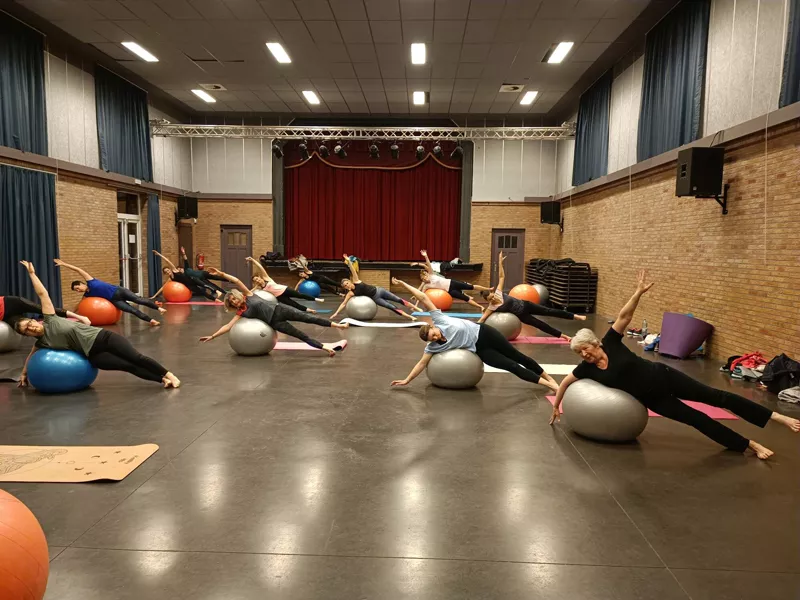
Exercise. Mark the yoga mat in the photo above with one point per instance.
(536, 339)
(549, 369)
(10, 375)
(304, 346)
(712, 411)
(455, 315)
(383, 325)
(198, 303)
(71, 464)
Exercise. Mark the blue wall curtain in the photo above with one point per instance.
(28, 231)
(123, 129)
(23, 122)
(790, 86)
(153, 243)
(674, 72)
(591, 136)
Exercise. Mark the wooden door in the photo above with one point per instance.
(236, 244)
(512, 243)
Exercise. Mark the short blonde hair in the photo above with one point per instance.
(229, 296)
(584, 337)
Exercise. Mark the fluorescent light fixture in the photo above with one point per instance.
(419, 98)
(529, 97)
(560, 52)
(278, 52)
(418, 54)
(310, 97)
(204, 96)
(139, 51)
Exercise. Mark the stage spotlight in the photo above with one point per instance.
(420, 152)
(395, 150)
(457, 152)
(276, 150)
(338, 150)
(323, 150)
(303, 147)
(437, 150)
(373, 151)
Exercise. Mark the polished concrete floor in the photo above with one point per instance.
(298, 476)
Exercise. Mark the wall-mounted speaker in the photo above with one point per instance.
(700, 172)
(551, 213)
(187, 207)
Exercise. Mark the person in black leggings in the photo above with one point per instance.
(323, 281)
(432, 281)
(14, 307)
(104, 349)
(196, 286)
(204, 277)
(355, 287)
(448, 333)
(660, 387)
(248, 305)
(283, 293)
(523, 309)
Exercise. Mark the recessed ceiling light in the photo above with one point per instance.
(529, 97)
(310, 97)
(418, 54)
(560, 52)
(278, 52)
(203, 95)
(139, 51)
(419, 98)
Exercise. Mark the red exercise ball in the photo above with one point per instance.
(523, 291)
(176, 292)
(99, 311)
(440, 298)
(24, 559)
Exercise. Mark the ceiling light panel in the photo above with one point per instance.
(278, 52)
(418, 54)
(204, 96)
(528, 98)
(560, 52)
(311, 97)
(140, 52)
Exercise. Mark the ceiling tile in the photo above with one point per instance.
(280, 10)
(325, 85)
(300, 84)
(246, 9)
(115, 51)
(448, 32)
(397, 97)
(371, 85)
(387, 32)
(398, 108)
(594, 9)
(338, 107)
(469, 70)
(212, 9)
(625, 9)
(278, 106)
(108, 30)
(332, 53)
(348, 10)
(459, 107)
(313, 10)
(419, 84)
(367, 70)
(300, 107)
(480, 31)
(341, 71)
(334, 97)
(440, 97)
(521, 9)
(324, 32)
(111, 9)
(462, 97)
(145, 10)
(442, 53)
(294, 33)
(355, 31)
(475, 53)
(395, 85)
(607, 30)
(451, 9)
(444, 70)
(485, 9)
(289, 96)
(391, 53)
(348, 85)
(360, 108)
(557, 9)
(512, 31)
(588, 52)
(503, 55)
(480, 107)
(247, 96)
(378, 10)
(418, 71)
(378, 108)
(267, 96)
(417, 31)
(361, 52)
(376, 96)
(416, 9)
(442, 85)
(179, 9)
(465, 85)
(351, 97)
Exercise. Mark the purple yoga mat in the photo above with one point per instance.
(681, 334)
(712, 411)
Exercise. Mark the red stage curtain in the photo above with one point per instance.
(372, 213)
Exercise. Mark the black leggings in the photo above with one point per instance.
(496, 351)
(325, 282)
(537, 309)
(385, 298)
(124, 295)
(15, 307)
(287, 298)
(112, 352)
(457, 289)
(285, 313)
(672, 385)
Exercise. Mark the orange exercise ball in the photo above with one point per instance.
(440, 298)
(24, 559)
(523, 291)
(99, 311)
(175, 291)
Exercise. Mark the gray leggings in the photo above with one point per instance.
(385, 298)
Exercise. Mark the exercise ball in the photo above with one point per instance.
(175, 291)
(99, 311)
(441, 299)
(361, 308)
(506, 323)
(267, 296)
(24, 558)
(9, 339)
(310, 288)
(252, 337)
(544, 294)
(60, 371)
(523, 291)
(602, 413)
(455, 369)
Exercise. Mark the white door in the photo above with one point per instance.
(130, 253)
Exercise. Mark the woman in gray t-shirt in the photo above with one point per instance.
(104, 349)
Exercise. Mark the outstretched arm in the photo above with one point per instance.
(501, 273)
(421, 297)
(626, 314)
(562, 387)
(261, 271)
(158, 293)
(342, 305)
(428, 266)
(186, 264)
(78, 270)
(165, 259)
(418, 368)
(38, 287)
(353, 275)
(234, 280)
(222, 330)
(23, 378)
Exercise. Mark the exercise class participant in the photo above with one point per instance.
(523, 309)
(105, 349)
(283, 293)
(248, 305)
(660, 387)
(490, 345)
(196, 286)
(204, 277)
(355, 287)
(432, 281)
(323, 281)
(116, 294)
(14, 307)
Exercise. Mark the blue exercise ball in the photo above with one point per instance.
(60, 371)
(310, 288)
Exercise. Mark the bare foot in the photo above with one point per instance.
(790, 422)
(331, 352)
(311, 310)
(761, 452)
(162, 310)
(174, 381)
(580, 317)
(413, 318)
(341, 325)
(154, 323)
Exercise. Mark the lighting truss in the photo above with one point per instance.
(161, 129)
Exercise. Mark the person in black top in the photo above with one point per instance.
(355, 287)
(300, 263)
(196, 286)
(14, 307)
(248, 305)
(660, 387)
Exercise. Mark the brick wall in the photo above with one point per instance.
(169, 233)
(739, 272)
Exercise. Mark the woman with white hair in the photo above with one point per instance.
(660, 387)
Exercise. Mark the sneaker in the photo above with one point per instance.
(319, 299)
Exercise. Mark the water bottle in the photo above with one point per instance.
(644, 328)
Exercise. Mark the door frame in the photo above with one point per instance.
(122, 222)
(493, 276)
(223, 245)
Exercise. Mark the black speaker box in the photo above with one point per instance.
(551, 212)
(187, 207)
(700, 172)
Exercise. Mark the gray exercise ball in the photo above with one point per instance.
(265, 295)
(252, 337)
(506, 323)
(602, 413)
(544, 294)
(455, 369)
(361, 308)
(9, 339)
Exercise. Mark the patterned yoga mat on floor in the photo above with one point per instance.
(712, 411)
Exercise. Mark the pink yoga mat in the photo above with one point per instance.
(198, 303)
(538, 340)
(304, 346)
(712, 411)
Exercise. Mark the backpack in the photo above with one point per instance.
(781, 373)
